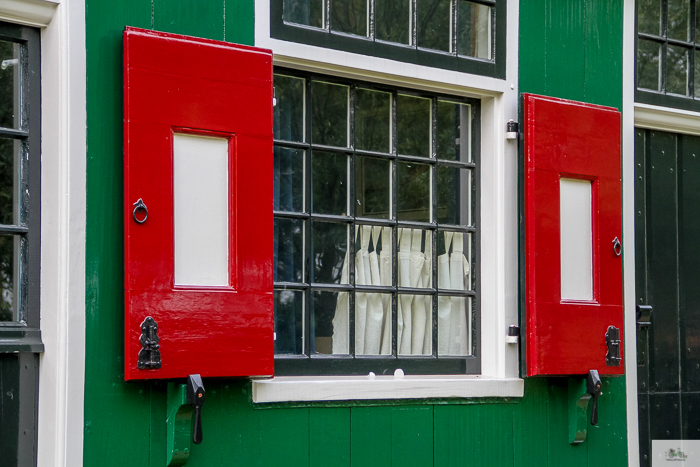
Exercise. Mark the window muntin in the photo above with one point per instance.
(397, 187)
(668, 53)
(459, 35)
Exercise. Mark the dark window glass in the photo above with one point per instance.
(329, 115)
(306, 12)
(350, 16)
(648, 61)
(434, 24)
(474, 30)
(393, 20)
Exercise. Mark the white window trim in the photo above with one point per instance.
(63, 218)
(654, 117)
(499, 220)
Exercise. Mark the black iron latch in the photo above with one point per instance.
(149, 355)
(612, 338)
(644, 315)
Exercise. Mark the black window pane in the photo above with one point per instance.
(10, 73)
(454, 195)
(413, 192)
(413, 125)
(372, 183)
(329, 103)
(679, 19)
(649, 16)
(307, 12)
(329, 323)
(393, 20)
(329, 253)
(434, 24)
(372, 120)
(289, 110)
(289, 250)
(10, 150)
(697, 74)
(677, 70)
(350, 16)
(10, 249)
(648, 53)
(329, 183)
(289, 322)
(288, 179)
(474, 30)
(453, 130)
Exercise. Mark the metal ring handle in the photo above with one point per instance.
(617, 246)
(140, 206)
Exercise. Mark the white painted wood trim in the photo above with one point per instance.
(499, 196)
(339, 388)
(666, 119)
(63, 217)
(28, 12)
(628, 121)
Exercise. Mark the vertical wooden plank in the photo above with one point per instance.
(603, 52)
(565, 49)
(329, 437)
(533, 44)
(483, 434)
(370, 437)
(644, 438)
(190, 17)
(285, 437)
(558, 433)
(239, 26)
(531, 424)
(664, 415)
(412, 435)
(243, 424)
(607, 441)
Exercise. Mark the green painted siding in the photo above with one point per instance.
(570, 49)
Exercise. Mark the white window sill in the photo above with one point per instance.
(339, 388)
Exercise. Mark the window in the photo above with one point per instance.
(19, 188)
(376, 228)
(452, 34)
(668, 53)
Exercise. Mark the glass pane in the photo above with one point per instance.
(289, 250)
(413, 192)
(393, 20)
(9, 277)
(454, 260)
(350, 16)
(308, 12)
(10, 151)
(415, 258)
(10, 73)
(697, 74)
(434, 24)
(649, 16)
(454, 196)
(289, 322)
(677, 70)
(679, 19)
(414, 330)
(329, 323)
(453, 131)
(329, 253)
(413, 125)
(697, 22)
(329, 115)
(373, 120)
(372, 187)
(289, 111)
(329, 183)
(289, 179)
(372, 323)
(474, 30)
(648, 53)
(454, 326)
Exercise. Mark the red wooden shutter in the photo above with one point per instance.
(182, 85)
(577, 142)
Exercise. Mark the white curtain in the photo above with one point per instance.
(454, 322)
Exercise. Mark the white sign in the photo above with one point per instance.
(675, 452)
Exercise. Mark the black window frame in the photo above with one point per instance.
(327, 38)
(24, 335)
(661, 97)
(337, 365)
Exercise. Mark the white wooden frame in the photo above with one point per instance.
(63, 195)
(499, 219)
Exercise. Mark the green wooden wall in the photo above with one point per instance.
(569, 48)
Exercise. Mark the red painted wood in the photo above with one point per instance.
(573, 140)
(182, 84)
